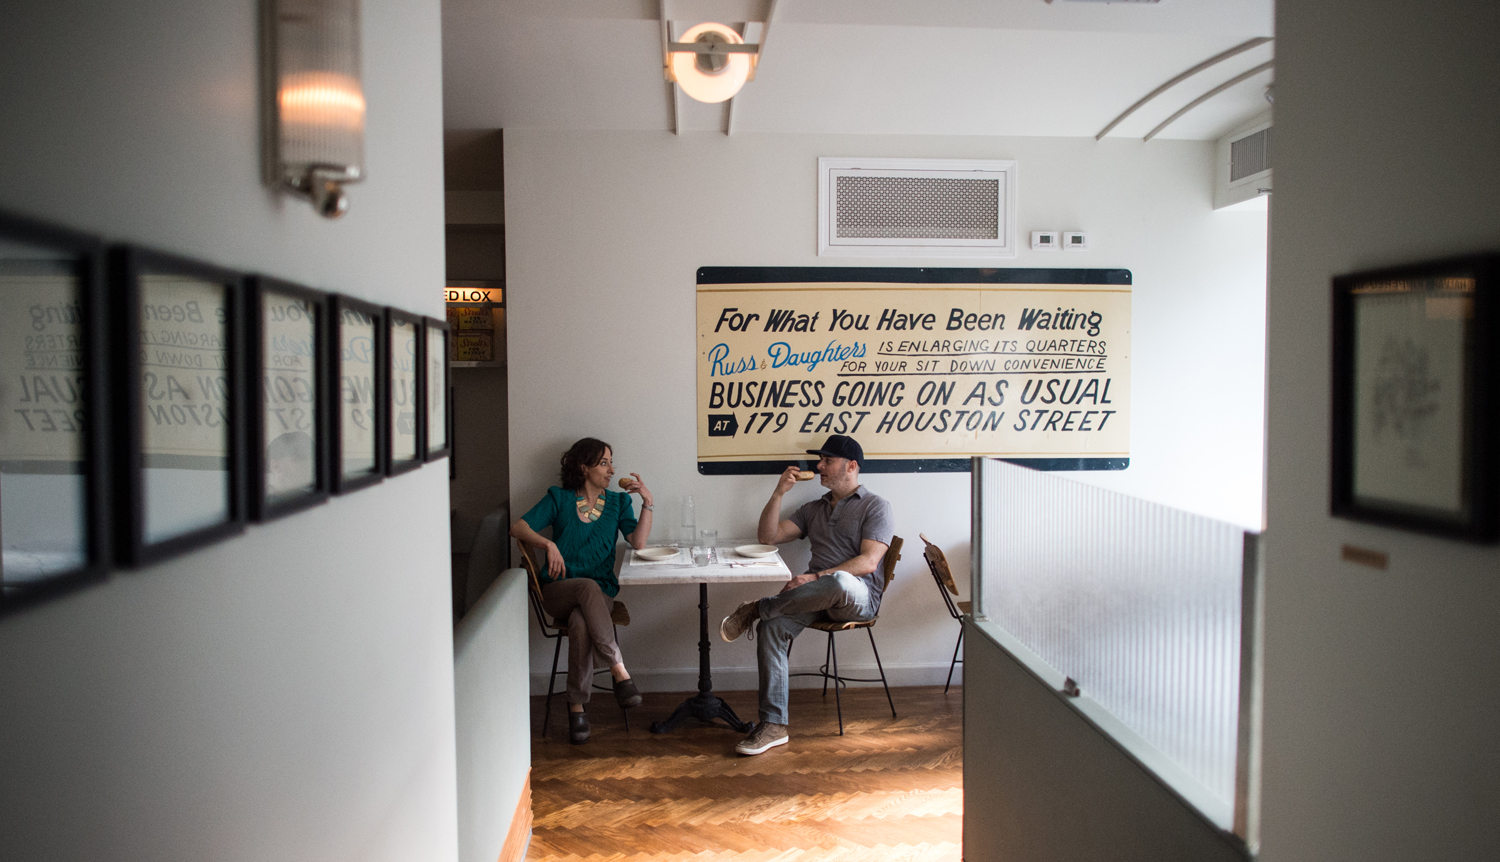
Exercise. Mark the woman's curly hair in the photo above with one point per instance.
(585, 453)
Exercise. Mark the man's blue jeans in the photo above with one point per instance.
(840, 597)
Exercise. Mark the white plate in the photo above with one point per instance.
(755, 550)
(656, 554)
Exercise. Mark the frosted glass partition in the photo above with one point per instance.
(1139, 603)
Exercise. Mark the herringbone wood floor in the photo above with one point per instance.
(889, 790)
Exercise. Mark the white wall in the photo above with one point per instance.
(1382, 688)
(287, 694)
(605, 231)
(489, 681)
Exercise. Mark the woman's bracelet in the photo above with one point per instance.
(646, 508)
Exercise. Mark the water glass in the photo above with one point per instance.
(704, 552)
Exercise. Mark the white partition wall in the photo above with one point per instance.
(1138, 604)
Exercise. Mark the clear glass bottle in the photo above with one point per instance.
(689, 521)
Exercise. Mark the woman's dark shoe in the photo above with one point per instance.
(626, 694)
(578, 727)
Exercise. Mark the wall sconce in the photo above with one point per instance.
(314, 103)
(711, 63)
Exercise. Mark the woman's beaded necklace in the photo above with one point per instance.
(590, 513)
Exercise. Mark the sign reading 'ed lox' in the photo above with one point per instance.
(924, 375)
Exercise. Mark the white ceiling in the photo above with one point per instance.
(938, 67)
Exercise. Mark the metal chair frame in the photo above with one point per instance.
(553, 631)
(831, 654)
(937, 563)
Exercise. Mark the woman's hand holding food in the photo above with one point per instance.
(638, 486)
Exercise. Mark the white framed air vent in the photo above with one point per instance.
(1242, 166)
(916, 207)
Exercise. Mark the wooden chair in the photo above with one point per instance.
(938, 563)
(559, 631)
(831, 655)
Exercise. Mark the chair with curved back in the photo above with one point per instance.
(938, 563)
(831, 655)
(558, 631)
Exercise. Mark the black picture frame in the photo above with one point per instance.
(1414, 389)
(434, 449)
(403, 393)
(135, 356)
(348, 391)
(273, 380)
(93, 342)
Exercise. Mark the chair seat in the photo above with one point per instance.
(964, 607)
(835, 626)
(620, 616)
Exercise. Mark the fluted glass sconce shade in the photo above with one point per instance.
(316, 104)
(711, 76)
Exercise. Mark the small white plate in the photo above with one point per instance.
(755, 550)
(656, 555)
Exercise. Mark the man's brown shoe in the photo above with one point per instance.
(736, 623)
(766, 735)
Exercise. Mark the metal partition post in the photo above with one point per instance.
(1247, 771)
(976, 537)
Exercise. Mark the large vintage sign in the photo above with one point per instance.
(1031, 365)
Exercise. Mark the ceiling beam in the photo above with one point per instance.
(666, 69)
(765, 30)
(1210, 62)
(1266, 66)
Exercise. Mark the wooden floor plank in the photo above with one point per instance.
(888, 789)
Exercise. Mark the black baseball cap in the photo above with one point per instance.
(839, 446)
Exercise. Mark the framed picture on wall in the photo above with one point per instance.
(356, 391)
(435, 386)
(1414, 391)
(407, 412)
(54, 458)
(286, 340)
(180, 438)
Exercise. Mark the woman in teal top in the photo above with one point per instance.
(579, 584)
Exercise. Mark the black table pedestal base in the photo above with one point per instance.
(705, 705)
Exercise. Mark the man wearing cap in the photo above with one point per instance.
(850, 529)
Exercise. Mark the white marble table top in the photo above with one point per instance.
(720, 570)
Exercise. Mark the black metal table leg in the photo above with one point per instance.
(705, 705)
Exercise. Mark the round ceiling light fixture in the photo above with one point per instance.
(711, 77)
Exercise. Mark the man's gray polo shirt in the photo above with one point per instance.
(836, 531)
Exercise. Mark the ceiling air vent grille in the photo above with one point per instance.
(1250, 155)
(916, 207)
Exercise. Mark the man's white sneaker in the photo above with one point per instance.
(766, 735)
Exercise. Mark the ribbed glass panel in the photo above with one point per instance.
(1137, 602)
(320, 97)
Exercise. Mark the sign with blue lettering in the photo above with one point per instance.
(925, 367)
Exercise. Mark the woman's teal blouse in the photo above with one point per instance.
(588, 549)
